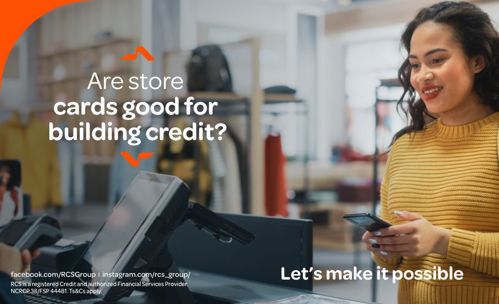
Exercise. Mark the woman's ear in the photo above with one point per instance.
(478, 64)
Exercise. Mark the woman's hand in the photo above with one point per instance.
(416, 238)
(11, 260)
(27, 257)
(369, 240)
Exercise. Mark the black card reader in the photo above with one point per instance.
(31, 232)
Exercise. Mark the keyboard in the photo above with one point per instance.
(40, 299)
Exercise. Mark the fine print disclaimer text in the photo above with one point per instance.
(74, 282)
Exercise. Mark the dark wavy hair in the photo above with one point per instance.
(478, 37)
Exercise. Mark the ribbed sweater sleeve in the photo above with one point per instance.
(475, 250)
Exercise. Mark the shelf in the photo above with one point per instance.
(84, 76)
(281, 99)
(84, 48)
(217, 96)
(63, 80)
(223, 99)
(391, 82)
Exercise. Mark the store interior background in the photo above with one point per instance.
(334, 53)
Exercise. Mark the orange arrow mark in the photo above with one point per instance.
(140, 49)
(135, 162)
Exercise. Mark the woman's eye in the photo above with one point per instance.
(437, 60)
(415, 66)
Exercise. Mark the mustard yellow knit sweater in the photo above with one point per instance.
(449, 175)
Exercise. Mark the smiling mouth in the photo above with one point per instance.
(432, 91)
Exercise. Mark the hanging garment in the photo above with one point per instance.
(243, 170)
(276, 200)
(29, 143)
(190, 163)
(224, 164)
(218, 173)
(11, 205)
(188, 160)
(72, 171)
(122, 172)
(232, 183)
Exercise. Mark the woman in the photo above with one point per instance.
(441, 186)
(10, 197)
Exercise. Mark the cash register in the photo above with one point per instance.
(133, 241)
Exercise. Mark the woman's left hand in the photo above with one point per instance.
(416, 238)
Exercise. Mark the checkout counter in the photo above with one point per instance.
(169, 237)
(237, 273)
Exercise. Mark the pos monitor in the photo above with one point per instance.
(134, 234)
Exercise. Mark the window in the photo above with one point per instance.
(365, 64)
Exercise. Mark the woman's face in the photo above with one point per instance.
(441, 73)
(4, 176)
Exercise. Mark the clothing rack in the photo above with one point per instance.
(244, 60)
(270, 100)
(229, 104)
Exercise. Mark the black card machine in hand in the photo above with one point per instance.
(31, 232)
